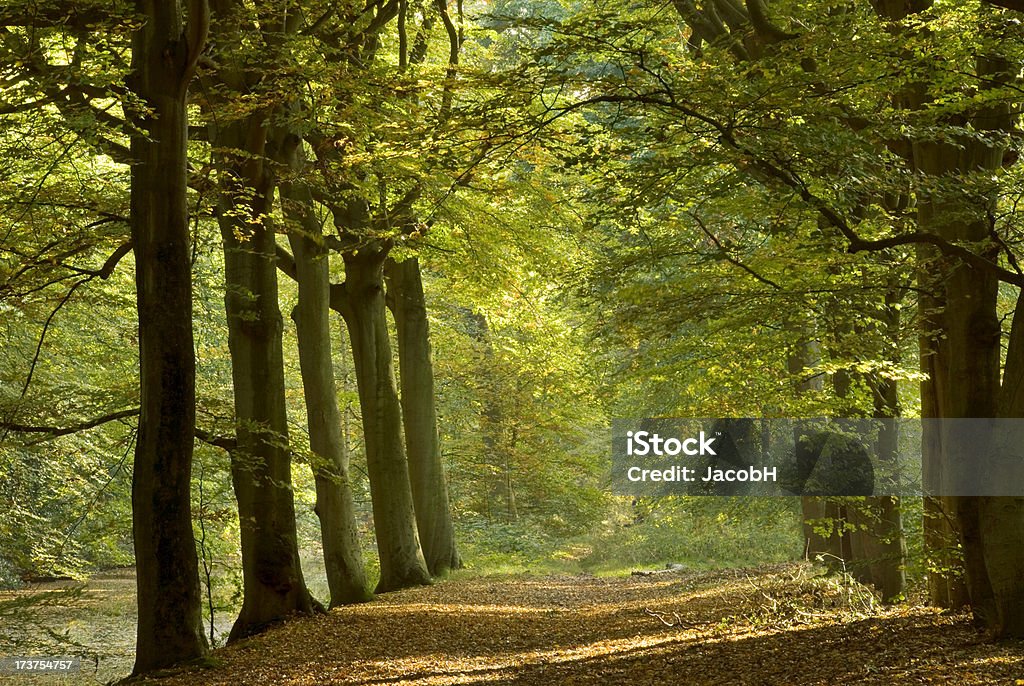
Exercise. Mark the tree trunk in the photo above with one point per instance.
(401, 559)
(170, 621)
(1003, 518)
(820, 535)
(343, 558)
(273, 586)
(962, 339)
(946, 587)
(419, 415)
(967, 356)
(261, 463)
(1002, 530)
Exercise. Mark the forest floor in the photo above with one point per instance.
(781, 625)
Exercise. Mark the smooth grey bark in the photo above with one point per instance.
(360, 302)
(401, 557)
(164, 52)
(346, 574)
(419, 416)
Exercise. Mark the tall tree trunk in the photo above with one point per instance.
(273, 586)
(343, 558)
(888, 546)
(401, 559)
(419, 414)
(876, 533)
(261, 463)
(967, 357)
(885, 547)
(170, 621)
(1003, 518)
(964, 343)
(946, 587)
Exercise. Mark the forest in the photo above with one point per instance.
(323, 323)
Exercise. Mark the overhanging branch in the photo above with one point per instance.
(1016, 5)
(107, 269)
(55, 431)
(771, 171)
(225, 442)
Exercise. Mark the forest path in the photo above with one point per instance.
(774, 626)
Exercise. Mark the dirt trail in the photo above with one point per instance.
(777, 626)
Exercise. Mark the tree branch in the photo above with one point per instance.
(225, 442)
(286, 263)
(762, 25)
(729, 258)
(858, 244)
(792, 181)
(55, 431)
(1015, 5)
(107, 269)
(198, 28)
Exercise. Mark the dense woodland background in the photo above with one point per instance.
(354, 290)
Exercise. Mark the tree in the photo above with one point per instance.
(346, 576)
(165, 50)
(419, 416)
(962, 353)
(401, 558)
(372, 205)
(274, 587)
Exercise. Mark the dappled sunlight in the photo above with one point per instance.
(776, 625)
(415, 608)
(508, 662)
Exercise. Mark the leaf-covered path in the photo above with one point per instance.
(781, 625)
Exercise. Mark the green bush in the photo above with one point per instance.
(696, 531)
